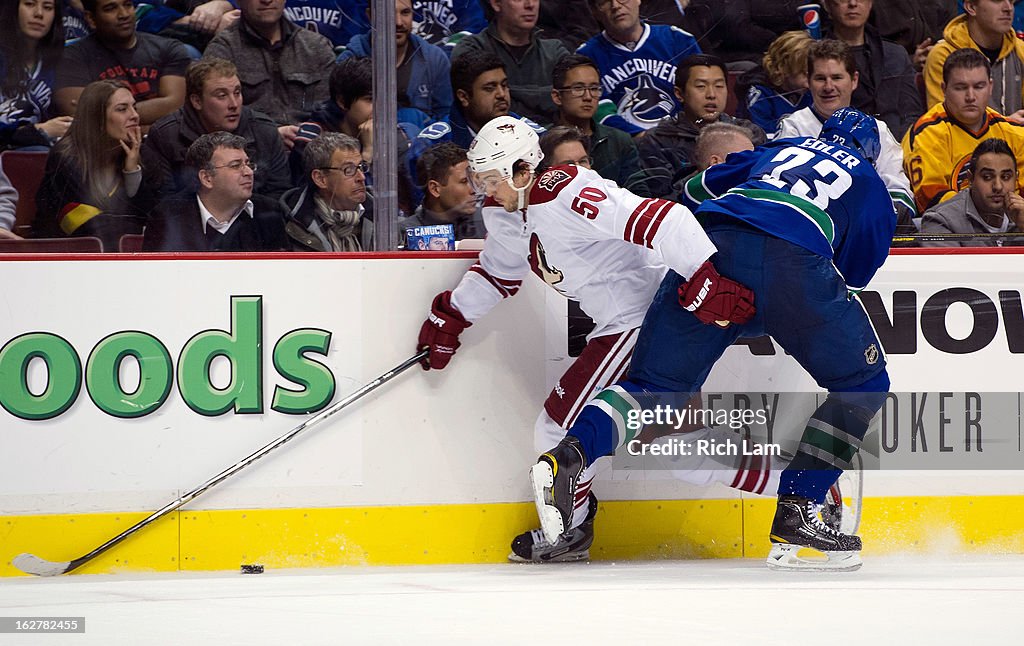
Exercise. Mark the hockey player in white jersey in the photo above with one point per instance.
(596, 243)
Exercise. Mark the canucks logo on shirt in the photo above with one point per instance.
(643, 103)
(639, 83)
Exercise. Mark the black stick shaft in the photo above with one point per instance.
(246, 461)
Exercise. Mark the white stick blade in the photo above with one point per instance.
(32, 564)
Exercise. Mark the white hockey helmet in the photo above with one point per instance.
(501, 143)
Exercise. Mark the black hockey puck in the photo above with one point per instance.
(252, 569)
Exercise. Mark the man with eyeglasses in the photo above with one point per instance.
(214, 103)
(222, 213)
(637, 62)
(329, 212)
(577, 90)
(564, 146)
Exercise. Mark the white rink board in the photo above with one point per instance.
(463, 435)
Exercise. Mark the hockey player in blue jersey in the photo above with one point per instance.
(804, 223)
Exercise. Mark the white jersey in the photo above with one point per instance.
(589, 239)
(807, 123)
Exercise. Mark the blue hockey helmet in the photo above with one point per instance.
(853, 129)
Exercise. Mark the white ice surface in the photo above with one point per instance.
(900, 601)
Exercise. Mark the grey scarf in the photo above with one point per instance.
(342, 228)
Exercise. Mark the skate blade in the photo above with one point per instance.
(568, 557)
(786, 557)
(543, 478)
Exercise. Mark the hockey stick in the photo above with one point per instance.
(32, 564)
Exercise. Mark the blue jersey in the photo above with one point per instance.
(638, 85)
(436, 21)
(822, 197)
(765, 106)
(337, 20)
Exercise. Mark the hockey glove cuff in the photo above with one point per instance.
(715, 299)
(440, 332)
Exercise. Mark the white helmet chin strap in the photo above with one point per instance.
(520, 192)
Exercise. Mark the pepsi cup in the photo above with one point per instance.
(810, 18)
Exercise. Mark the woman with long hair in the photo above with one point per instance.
(31, 44)
(94, 184)
(778, 86)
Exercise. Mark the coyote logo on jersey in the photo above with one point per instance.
(551, 180)
(539, 264)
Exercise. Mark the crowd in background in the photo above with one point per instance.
(247, 125)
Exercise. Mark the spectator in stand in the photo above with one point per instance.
(423, 77)
(564, 146)
(93, 184)
(74, 23)
(988, 28)
(445, 22)
(637, 62)
(832, 78)
(778, 86)
(937, 149)
(339, 21)
(284, 69)
(448, 197)
(717, 140)
(666, 12)
(349, 110)
(151, 66)
(513, 37)
(577, 89)
(481, 93)
(31, 44)
(988, 207)
(667, 150)
(554, 22)
(915, 24)
(8, 208)
(329, 212)
(886, 80)
(739, 31)
(215, 104)
(193, 22)
(222, 213)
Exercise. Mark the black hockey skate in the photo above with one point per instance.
(555, 478)
(533, 547)
(797, 525)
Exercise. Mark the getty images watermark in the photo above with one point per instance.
(667, 417)
(913, 430)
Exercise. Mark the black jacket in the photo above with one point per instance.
(908, 22)
(175, 225)
(299, 208)
(667, 151)
(67, 207)
(887, 86)
(169, 138)
(741, 29)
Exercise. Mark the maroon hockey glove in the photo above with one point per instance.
(440, 332)
(715, 299)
